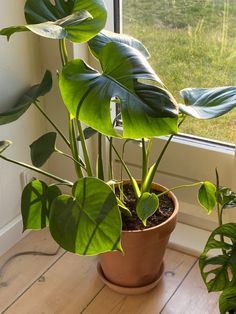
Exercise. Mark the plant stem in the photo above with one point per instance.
(144, 160)
(74, 148)
(63, 52)
(53, 124)
(110, 170)
(47, 174)
(80, 162)
(100, 172)
(219, 210)
(84, 148)
(180, 187)
(148, 180)
(121, 186)
(133, 181)
(73, 138)
(151, 173)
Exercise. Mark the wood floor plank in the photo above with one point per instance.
(192, 297)
(176, 267)
(21, 271)
(65, 288)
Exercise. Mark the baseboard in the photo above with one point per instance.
(11, 234)
(188, 239)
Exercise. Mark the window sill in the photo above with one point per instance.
(188, 239)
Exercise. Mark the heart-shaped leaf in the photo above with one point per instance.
(36, 200)
(207, 196)
(227, 300)
(88, 223)
(147, 206)
(11, 114)
(4, 145)
(43, 148)
(216, 270)
(146, 110)
(75, 20)
(208, 103)
(88, 132)
(104, 37)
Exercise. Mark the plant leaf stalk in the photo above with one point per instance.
(80, 162)
(180, 187)
(100, 172)
(110, 167)
(52, 123)
(74, 147)
(45, 173)
(84, 148)
(144, 160)
(151, 173)
(72, 136)
(132, 180)
(219, 209)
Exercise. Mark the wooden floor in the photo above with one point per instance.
(66, 283)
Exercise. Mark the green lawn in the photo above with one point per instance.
(192, 44)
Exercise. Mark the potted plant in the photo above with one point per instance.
(218, 259)
(88, 215)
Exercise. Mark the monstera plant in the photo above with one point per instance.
(218, 260)
(87, 219)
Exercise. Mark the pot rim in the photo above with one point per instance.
(175, 212)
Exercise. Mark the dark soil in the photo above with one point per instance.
(165, 210)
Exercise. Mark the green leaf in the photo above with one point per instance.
(125, 210)
(59, 28)
(16, 111)
(147, 206)
(36, 200)
(146, 110)
(207, 196)
(43, 148)
(104, 37)
(52, 193)
(88, 223)
(216, 267)
(208, 103)
(53, 30)
(226, 197)
(75, 20)
(88, 132)
(8, 31)
(227, 300)
(4, 145)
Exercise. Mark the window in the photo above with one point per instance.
(192, 44)
(188, 159)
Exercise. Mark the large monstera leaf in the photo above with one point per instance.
(208, 103)
(76, 20)
(88, 223)
(29, 97)
(218, 270)
(104, 37)
(146, 110)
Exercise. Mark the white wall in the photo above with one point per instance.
(19, 69)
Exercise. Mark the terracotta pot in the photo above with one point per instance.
(140, 269)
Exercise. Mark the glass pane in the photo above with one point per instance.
(192, 44)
